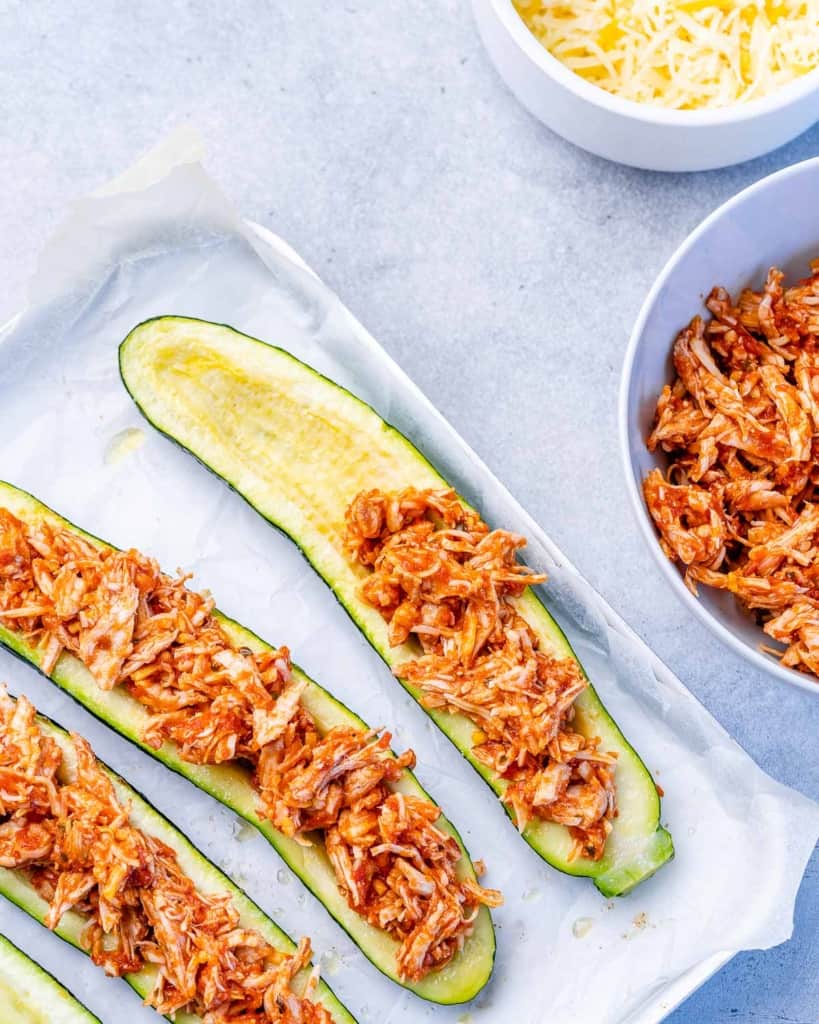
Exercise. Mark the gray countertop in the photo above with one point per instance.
(500, 266)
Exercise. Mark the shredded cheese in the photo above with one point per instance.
(684, 54)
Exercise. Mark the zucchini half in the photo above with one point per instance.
(231, 784)
(205, 876)
(298, 448)
(30, 995)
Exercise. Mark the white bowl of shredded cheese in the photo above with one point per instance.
(667, 85)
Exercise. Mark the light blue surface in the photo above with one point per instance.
(501, 267)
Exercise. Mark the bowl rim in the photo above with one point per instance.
(646, 524)
(736, 113)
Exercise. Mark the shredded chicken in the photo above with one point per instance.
(136, 627)
(66, 829)
(738, 505)
(438, 574)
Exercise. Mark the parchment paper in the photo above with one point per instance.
(163, 239)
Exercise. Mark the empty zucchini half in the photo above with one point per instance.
(299, 448)
(30, 995)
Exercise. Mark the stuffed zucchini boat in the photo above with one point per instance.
(30, 995)
(85, 855)
(152, 658)
(389, 536)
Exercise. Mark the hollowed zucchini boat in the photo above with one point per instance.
(298, 448)
(205, 876)
(231, 784)
(30, 995)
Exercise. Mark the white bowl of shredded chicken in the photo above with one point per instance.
(719, 423)
(669, 85)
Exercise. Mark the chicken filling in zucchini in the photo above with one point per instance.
(438, 573)
(75, 843)
(132, 625)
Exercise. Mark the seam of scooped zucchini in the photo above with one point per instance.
(298, 447)
(458, 981)
(202, 872)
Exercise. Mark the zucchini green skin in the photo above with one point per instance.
(30, 995)
(231, 784)
(298, 447)
(202, 872)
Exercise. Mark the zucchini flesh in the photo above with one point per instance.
(231, 784)
(203, 873)
(298, 448)
(30, 995)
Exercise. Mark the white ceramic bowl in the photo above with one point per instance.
(773, 223)
(635, 133)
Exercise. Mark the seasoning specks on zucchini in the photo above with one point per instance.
(154, 659)
(299, 449)
(87, 857)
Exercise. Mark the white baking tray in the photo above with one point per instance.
(61, 403)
